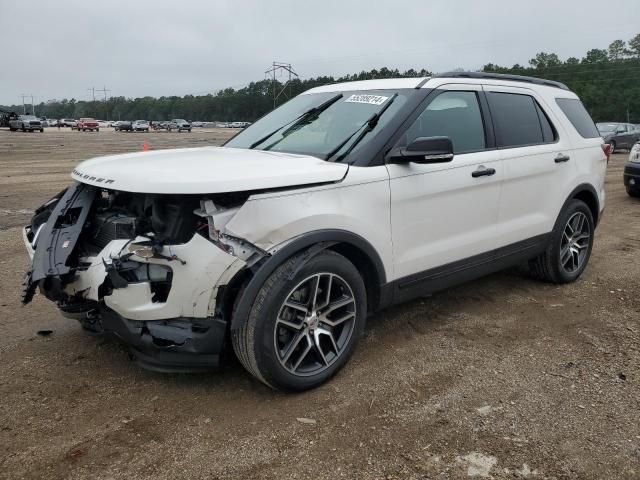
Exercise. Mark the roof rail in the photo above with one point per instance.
(502, 76)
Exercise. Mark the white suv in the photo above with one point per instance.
(343, 201)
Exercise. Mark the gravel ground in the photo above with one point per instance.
(504, 377)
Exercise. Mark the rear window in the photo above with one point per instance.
(578, 116)
(518, 120)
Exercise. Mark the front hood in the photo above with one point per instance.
(205, 170)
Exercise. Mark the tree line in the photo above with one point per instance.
(607, 81)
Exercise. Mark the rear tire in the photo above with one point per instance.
(613, 146)
(569, 248)
(633, 193)
(299, 347)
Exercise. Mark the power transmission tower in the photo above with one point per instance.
(104, 90)
(93, 92)
(279, 67)
(24, 109)
(106, 108)
(33, 106)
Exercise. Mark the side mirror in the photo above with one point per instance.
(424, 150)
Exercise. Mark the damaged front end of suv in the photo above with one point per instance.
(145, 268)
(153, 247)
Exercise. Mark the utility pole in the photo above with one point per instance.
(33, 106)
(106, 109)
(280, 67)
(104, 90)
(93, 92)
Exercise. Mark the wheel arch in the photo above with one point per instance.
(587, 193)
(236, 300)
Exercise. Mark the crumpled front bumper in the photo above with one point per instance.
(178, 345)
(182, 331)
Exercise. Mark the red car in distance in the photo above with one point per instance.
(85, 124)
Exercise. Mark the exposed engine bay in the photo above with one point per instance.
(135, 261)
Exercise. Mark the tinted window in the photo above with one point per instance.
(455, 115)
(516, 119)
(548, 132)
(578, 116)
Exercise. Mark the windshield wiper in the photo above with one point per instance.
(370, 124)
(298, 120)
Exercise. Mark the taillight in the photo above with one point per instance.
(606, 148)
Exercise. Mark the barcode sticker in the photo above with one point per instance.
(370, 99)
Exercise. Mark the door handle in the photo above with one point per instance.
(482, 172)
(562, 158)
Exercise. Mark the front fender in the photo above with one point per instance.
(311, 244)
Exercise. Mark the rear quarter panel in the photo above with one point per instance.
(590, 160)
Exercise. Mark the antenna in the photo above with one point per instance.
(282, 68)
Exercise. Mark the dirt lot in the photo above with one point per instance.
(504, 377)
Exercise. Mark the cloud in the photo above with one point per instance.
(60, 49)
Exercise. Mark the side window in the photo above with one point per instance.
(519, 120)
(549, 134)
(578, 116)
(455, 115)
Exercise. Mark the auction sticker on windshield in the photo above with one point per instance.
(370, 99)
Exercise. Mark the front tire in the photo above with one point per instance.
(569, 249)
(613, 146)
(304, 323)
(633, 193)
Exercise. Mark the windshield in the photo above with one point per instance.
(607, 127)
(338, 119)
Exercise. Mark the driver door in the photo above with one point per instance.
(443, 213)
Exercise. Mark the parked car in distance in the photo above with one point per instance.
(632, 172)
(179, 124)
(26, 123)
(86, 124)
(103, 123)
(619, 135)
(123, 126)
(347, 199)
(196, 124)
(239, 124)
(67, 122)
(140, 126)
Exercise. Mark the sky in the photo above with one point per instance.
(61, 49)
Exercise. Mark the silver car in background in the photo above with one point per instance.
(619, 135)
(26, 123)
(140, 126)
